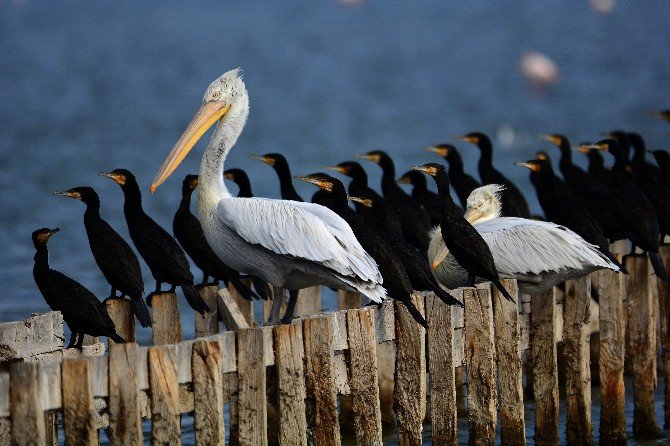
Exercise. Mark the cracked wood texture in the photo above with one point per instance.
(207, 393)
(125, 416)
(441, 368)
(320, 380)
(252, 410)
(207, 324)
(28, 427)
(664, 315)
(363, 373)
(510, 367)
(165, 319)
(78, 404)
(544, 366)
(164, 385)
(642, 344)
(480, 362)
(612, 288)
(576, 355)
(122, 315)
(289, 354)
(409, 394)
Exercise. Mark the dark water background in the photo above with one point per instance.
(86, 87)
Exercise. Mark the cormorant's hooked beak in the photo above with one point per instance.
(339, 169)
(555, 140)
(467, 138)
(266, 159)
(426, 169)
(532, 166)
(364, 201)
(370, 157)
(119, 179)
(229, 176)
(45, 236)
(586, 148)
(206, 116)
(442, 151)
(472, 215)
(67, 193)
(322, 184)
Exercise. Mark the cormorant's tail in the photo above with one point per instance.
(262, 288)
(416, 314)
(141, 311)
(194, 299)
(446, 297)
(503, 291)
(116, 338)
(657, 263)
(614, 260)
(242, 289)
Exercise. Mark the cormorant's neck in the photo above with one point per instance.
(92, 212)
(210, 178)
(132, 205)
(286, 187)
(185, 204)
(486, 149)
(596, 163)
(359, 179)
(446, 202)
(566, 154)
(339, 199)
(455, 163)
(245, 187)
(544, 186)
(388, 175)
(42, 258)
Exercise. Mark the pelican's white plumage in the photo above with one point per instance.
(538, 254)
(289, 244)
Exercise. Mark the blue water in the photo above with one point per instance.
(86, 87)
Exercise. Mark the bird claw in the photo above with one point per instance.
(150, 298)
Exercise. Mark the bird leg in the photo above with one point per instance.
(290, 307)
(152, 294)
(204, 281)
(112, 295)
(471, 279)
(73, 340)
(276, 308)
(80, 342)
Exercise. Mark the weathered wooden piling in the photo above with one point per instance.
(544, 366)
(164, 385)
(309, 301)
(77, 399)
(165, 319)
(510, 367)
(289, 355)
(207, 393)
(642, 339)
(229, 312)
(251, 388)
(664, 316)
(207, 324)
(576, 351)
(125, 419)
(25, 408)
(409, 394)
(122, 315)
(441, 369)
(480, 361)
(364, 385)
(347, 300)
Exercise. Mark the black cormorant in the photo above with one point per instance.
(574, 175)
(240, 177)
(280, 165)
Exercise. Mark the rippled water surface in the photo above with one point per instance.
(86, 87)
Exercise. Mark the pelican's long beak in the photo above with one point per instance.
(472, 215)
(68, 193)
(206, 116)
(442, 151)
(444, 252)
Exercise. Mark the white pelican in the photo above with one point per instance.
(538, 254)
(289, 244)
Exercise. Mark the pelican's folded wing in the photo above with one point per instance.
(303, 230)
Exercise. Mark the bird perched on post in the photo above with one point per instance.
(461, 239)
(115, 258)
(81, 310)
(162, 253)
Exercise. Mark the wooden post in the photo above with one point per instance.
(347, 300)
(642, 339)
(576, 334)
(207, 393)
(480, 362)
(386, 379)
(510, 368)
(364, 386)
(77, 397)
(409, 394)
(320, 380)
(231, 396)
(165, 319)
(229, 312)
(611, 361)
(164, 385)
(251, 388)
(441, 367)
(289, 354)
(207, 324)
(664, 315)
(24, 405)
(309, 301)
(544, 366)
(246, 306)
(122, 315)
(125, 419)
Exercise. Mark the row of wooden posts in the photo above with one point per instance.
(329, 373)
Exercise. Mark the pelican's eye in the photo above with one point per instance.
(215, 95)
